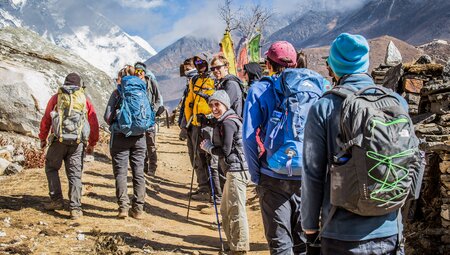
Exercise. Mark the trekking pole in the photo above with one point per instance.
(192, 176)
(215, 206)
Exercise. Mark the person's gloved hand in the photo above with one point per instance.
(43, 144)
(89, 149)
(183, 134)
(207, 145)
(312, 244)
(160, 110)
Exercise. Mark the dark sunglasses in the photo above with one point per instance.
(214, 104)
(199, 62)
(214, 68)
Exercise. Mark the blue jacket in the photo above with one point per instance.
(258, 108)
(322, 127)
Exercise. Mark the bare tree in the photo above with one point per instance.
(228, 15)
(253, 21)
(246, 23)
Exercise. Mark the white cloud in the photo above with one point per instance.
(146, 4)
(202, 20)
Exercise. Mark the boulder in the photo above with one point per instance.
(5, 154)
(32, 69)
(393, 55)
(13, 169)
(3, 165)
(393, 76)
(424, 59)
(446, 71)
(412, 85)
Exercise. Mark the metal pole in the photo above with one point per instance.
(215, 205)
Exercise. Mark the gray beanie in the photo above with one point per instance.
(221, 96)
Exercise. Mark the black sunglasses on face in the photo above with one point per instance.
(213, 68)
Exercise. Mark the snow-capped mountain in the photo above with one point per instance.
(87, 33)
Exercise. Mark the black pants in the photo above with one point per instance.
(280, 209)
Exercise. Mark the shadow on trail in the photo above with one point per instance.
(102, 158)
(160, 180)
(172, 152)
(101, 185)
(141, 243)
(19, 202)
(155, 195)
(107, 176)
(165, 213)
(211, 241)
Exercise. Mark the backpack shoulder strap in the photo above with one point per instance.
(341, 91)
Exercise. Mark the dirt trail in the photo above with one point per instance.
(26, 228)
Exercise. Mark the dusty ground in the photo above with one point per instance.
(26, 228)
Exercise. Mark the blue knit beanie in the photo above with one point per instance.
(349, 54)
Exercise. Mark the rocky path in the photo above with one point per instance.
(26, 228)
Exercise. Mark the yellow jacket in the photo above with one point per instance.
(196, 104)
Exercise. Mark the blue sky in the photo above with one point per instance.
(161, 22)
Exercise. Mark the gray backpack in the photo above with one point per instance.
(380, 164)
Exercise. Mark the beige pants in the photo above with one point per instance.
(234, 215)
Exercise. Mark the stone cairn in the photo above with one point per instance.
(393, 58)
(426, 87)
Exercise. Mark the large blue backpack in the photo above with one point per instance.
(296, 90)
(135, 114)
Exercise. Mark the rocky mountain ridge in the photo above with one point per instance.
(89, 34)
(32, 68)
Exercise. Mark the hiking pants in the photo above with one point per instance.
(131, 149)
(190, 146)
(280, 209)
(377, 246)
(151, 156)
(73, 162)
(201, 164)
(234, 214)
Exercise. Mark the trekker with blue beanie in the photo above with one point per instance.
(343, 232)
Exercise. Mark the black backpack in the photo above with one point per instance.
(380, 163)
(243, 88)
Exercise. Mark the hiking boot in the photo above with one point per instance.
(75, 214)
(201, 196)
(150, 172)
(123, 213)
(54, 205)
(136, 213)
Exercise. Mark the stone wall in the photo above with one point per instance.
(426, 87)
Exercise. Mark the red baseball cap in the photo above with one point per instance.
(283, 53)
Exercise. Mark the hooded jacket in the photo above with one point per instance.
(321, 131)
(227, 140)
(196, 104)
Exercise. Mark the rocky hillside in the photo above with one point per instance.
(31, 69)
(413, 21)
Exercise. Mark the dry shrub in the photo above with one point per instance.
(424, 69)
(34, 158)
(108, 245)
